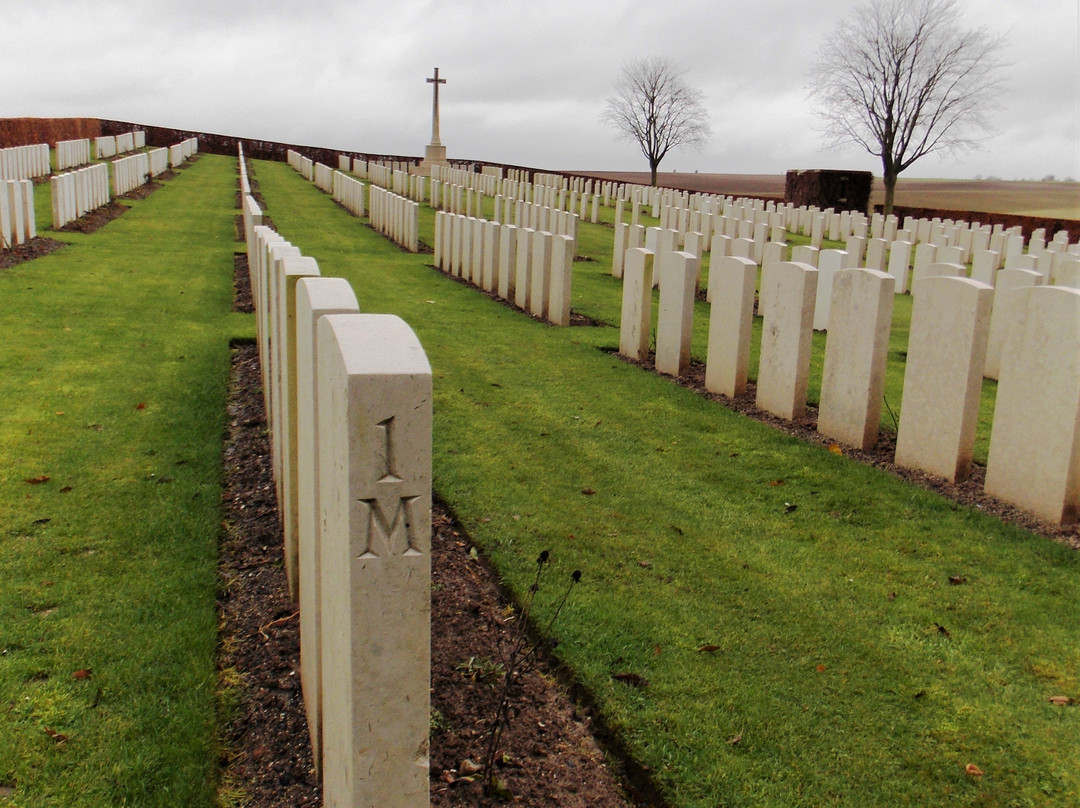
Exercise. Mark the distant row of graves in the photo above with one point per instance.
(90, 185)
(988, 303)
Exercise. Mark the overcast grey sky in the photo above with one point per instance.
(526, 81)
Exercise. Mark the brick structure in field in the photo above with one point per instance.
(840, 190)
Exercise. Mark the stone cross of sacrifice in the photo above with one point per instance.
(436, 81)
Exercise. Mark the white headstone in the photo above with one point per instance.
(315, 297)
(540, 294)
(1004, 314)
(562, 266)
(675, 320)
(829, 263)
(950, 321)
(635, 326)
(788, 291)
(731, 322)
(1034, 458)
(524, 270)
(853, 378)
(899, 264)
(375, 473)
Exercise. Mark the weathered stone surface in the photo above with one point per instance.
(562, 270)
(636, 322)
(1004, 314)
(853, 378)
(1034, 458)
(829, 263)
(950, 321)
(730, 324)
(675, 320)
(315, 297)
(788, 292)
(375, 473)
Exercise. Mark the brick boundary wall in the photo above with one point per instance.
(30, 131)
(27, 131)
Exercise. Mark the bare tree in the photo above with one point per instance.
(655, 108)
(902, 79)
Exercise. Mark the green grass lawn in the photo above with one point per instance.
(114, 365)
(849, 668)
(841, 666)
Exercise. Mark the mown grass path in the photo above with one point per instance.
(113, 367)
(791, 611)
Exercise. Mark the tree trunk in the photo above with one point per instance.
(652, 170)
(890, 191)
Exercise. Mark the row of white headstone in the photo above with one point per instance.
(128, 173)
(521, 184)
(323, 177)
(349, 193)
(363, 167)
(78, 192)
(462, 200)
(530, 268)
(1034, 460)
(349, 410)
(183, 151)
(390, 214)
(411, 186)
(112, 145)
(24, 162)
(543, 189)
(395, 216)
(72, 153)
(17, 219)
(829, 262)
(304, 165)
(1062, 260)
(868, 239)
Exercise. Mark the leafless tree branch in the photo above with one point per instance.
(654, 107)
(903, 79)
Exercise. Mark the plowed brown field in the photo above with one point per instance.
(1052, 199)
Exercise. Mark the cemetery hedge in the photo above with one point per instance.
(787, 614)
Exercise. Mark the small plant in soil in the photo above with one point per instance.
(516, 660)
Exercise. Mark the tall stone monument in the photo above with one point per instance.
(434, 152)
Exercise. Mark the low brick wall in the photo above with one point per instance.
(226, 144)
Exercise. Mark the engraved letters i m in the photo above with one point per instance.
(390, 524)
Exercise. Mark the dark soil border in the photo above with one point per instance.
(34, 248)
